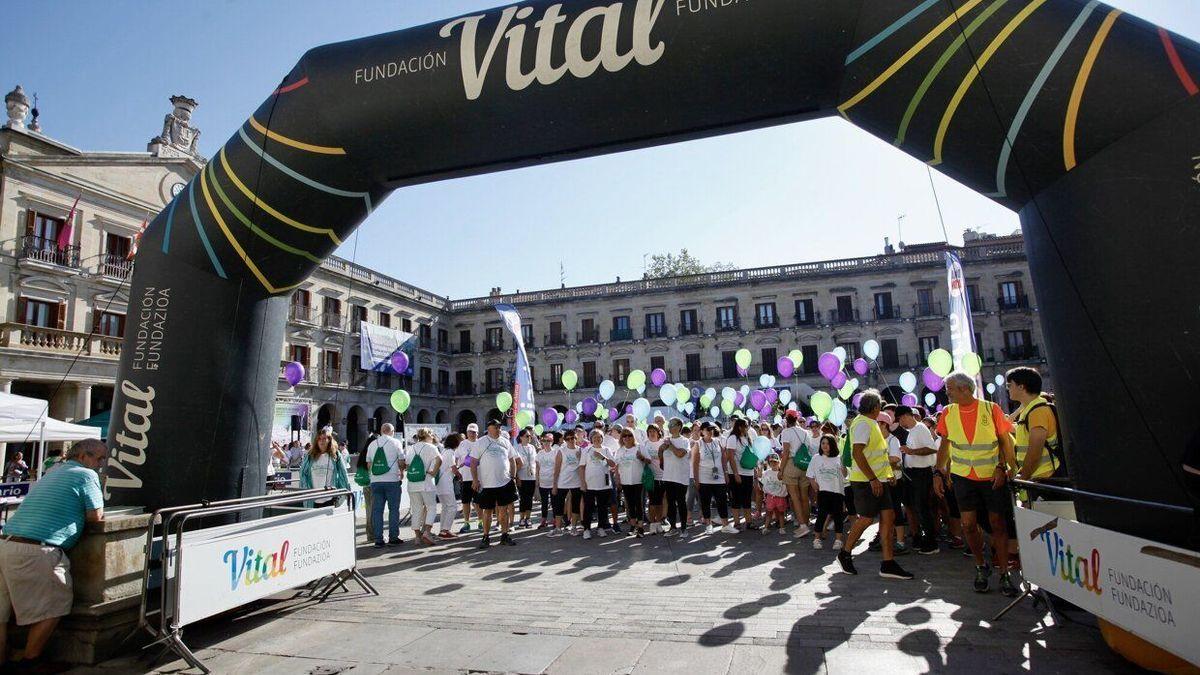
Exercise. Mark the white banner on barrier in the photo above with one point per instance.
(231, 565)
(1147, 588)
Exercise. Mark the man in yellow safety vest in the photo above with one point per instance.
(1035, 423)
(871, 481)
(974, 456)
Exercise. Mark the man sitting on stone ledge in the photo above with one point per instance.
(35, 575)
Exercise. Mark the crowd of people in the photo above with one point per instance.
(931, 481)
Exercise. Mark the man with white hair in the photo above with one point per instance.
(385, 456)
(974, 456)
(639, 436)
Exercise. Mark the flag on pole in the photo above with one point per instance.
(137, 239)
(962, 330)
(64, 235)
(522, 392)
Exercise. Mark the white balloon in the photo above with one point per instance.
(641, 409)
(728, 394)
(579, 407)
(641, 389)
(991, 388)
(778, 419)
(667, 394)
(771, 380)
(871, 349)
(999, 380)
(840, 352)
(930, 399)
(745, 390)
(764, 380)
(711, 393)
(793, 406)
(908, 381)
(607, 389)
(785, 395)
(690, 407)
(714, 411)
(753, 414)
(837, 415)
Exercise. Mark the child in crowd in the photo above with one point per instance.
(829, 476)
(775, 493)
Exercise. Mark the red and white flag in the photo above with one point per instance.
(64, 235)
(137, 238)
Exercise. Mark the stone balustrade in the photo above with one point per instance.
(53, 340)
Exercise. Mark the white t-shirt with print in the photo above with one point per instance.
(919, 437)
(392, 452)
(712, 469)
(677, 469)
(445, 485)
(545, 466)
(568, 473)
(492, 457)
(650, 450)
(827, 471)
(629, 465)
(738, 447)
(322, 471)
(527, 454)
(772, 485)
(428, 454)
(596, 471)
(461, 453)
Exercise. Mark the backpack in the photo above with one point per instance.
(379, 463)
(647, 478)
(361, 475)
(416, 470)
(748, 460)
(1057, 456)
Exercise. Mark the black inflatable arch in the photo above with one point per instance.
(1079, 116)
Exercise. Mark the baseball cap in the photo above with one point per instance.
(886, 418)
(473, 427)
(793, 414)
(494, 423)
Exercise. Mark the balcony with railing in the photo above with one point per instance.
(461, 347)
(590, 382)
(47, 251)
(887, 313)
(728, 326)
(620, 334)
(302, 314)
(978, 304)
(656, 332)
(443, 346)
(359, 379)
(530, 341)
(491, 346)
(425, 342)
(552, 384)
(588, 336)
(806, 319)
(331, 376)
(766, 322)
(694, 328)
(1008, 303)
(841, 316)
(494, 387)
(54, 341)
(928, 310)
(385, 381)
(114, 267)
(1022, 353)
(333, 321)
(893, 361)
(555, 340)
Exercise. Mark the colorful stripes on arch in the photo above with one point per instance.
(296, 175)
(299, 145)
(212, 255)
(1185, 78)
(292, 87)
(210, 175)
(887, 32)
(268, 208)
(1085, 70)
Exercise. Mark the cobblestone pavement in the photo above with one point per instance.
(709, 604)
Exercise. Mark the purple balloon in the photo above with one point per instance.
(757, 399)
(658, 377)
(838, 380)
(909, 399)
(400, 362)
(589, 405)
(571, 417)
(940, 408)
(549, 417)
(738, 400)
(742, 372)
(772, 394)
(293, 372)
(860, 366)
(612, 413)
(629, 409)
(829, 365)
(785, 367)
(855, 400)
(933, 381)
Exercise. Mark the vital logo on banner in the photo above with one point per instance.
(511, 28)
(962, 331)
(248, 566)
(1073, 567)
(522, 393)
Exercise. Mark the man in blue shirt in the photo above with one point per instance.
(35, 574)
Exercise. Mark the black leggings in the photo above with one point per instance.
(831, 505)
(708, 492)
(544, 498)
(595, 502)
(560, 502)
(525, 490)
(741, 493)
(677, 511)
(634, 502)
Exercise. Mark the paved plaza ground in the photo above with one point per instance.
(746, 603)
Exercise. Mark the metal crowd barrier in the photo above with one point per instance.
(164, 626)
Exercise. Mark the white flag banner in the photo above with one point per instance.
(378, 343)
(962, 331)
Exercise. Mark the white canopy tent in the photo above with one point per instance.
(24, 419)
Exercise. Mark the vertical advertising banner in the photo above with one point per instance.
(522, 392)
(962, 332)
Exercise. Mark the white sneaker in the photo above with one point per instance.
(765, 530)
(803, 531)
(554, 533)
(587, 534)
(838, 544)
(729, 528)
(817, 543)
(671, 533)
(574, 531)
(709, 529)
(601, 533)
(653, 528)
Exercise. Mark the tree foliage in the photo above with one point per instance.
(673, 265)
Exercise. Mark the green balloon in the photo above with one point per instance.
(569, 379)
(400, 401)
(538, 429)
(846, 391)
(821, 403)
(682, 394)
(636, 379)
(727, 406)
(503, 401)
(797, 357)
(743, 358)
(705, 401)
(941, 362)
(971, 363)
(601, 412)
(523, 418)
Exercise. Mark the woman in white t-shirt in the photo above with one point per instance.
(709, 462)
(322, 467)
(445, 487)
(656, 498)
(828, 477)
(566, 493)
(422, 462)
(596, 473)
(743, 463)
(543, 472)
(675, 457)
(526, 482)
(631, 463)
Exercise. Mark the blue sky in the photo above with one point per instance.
(104, 70)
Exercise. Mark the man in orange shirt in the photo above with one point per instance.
(975, 453)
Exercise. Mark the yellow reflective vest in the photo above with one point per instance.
(876, 453)
(1045, 465)
(977, 459)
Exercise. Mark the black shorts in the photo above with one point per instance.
(741, 494)
(976, 495)
(490, 498)
(468, 495)
(866, 504)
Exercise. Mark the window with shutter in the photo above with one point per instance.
(60, 318)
